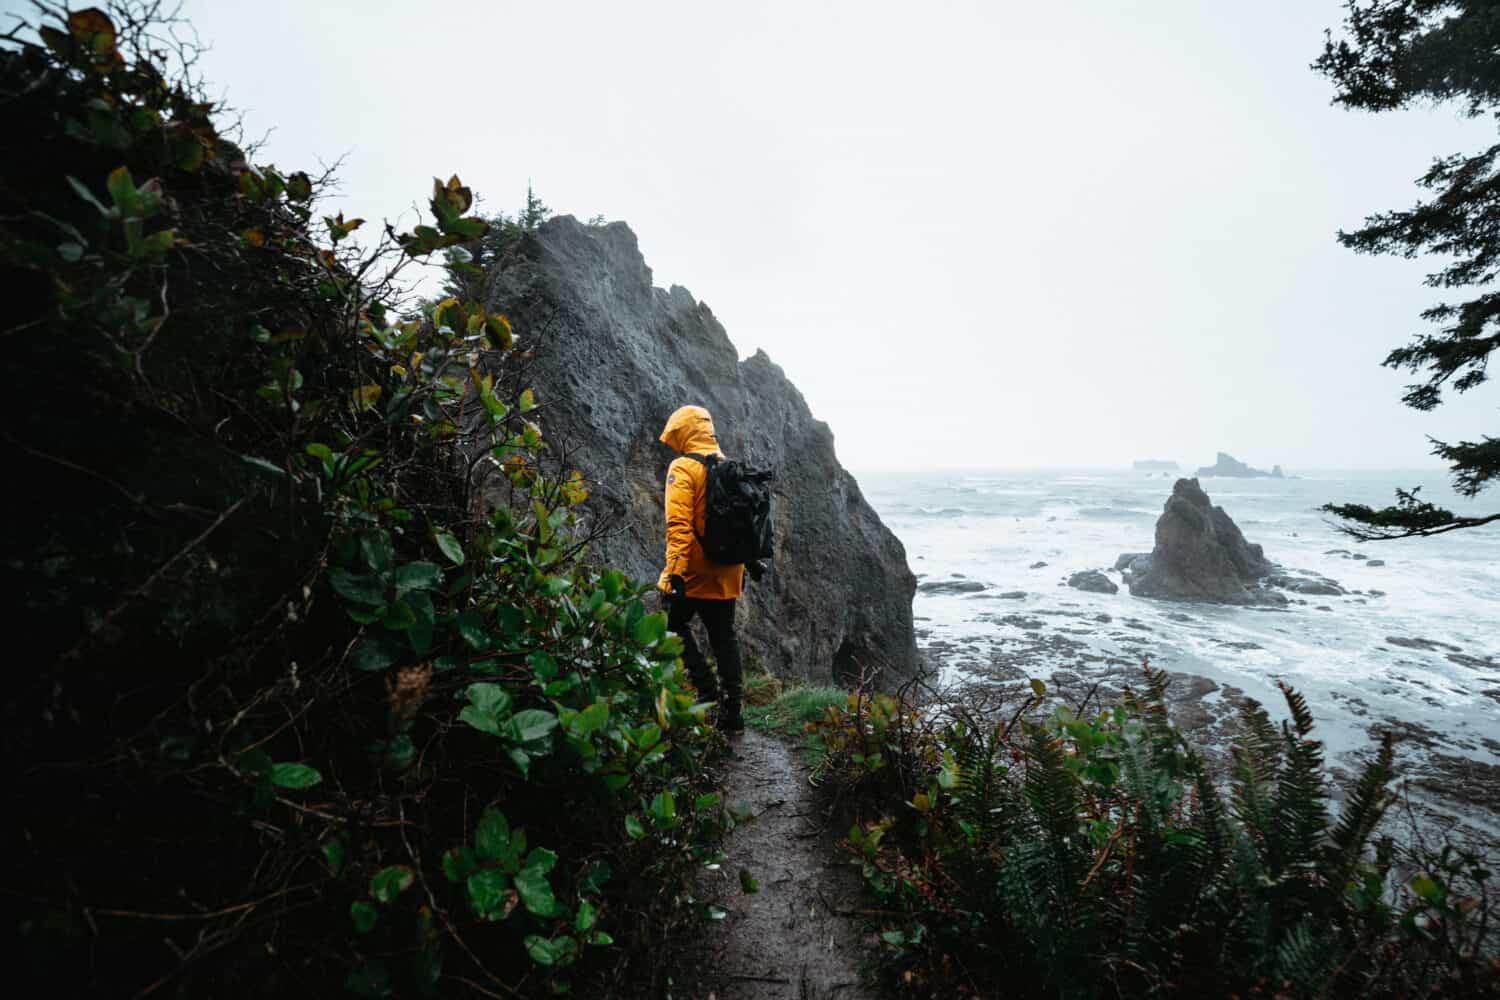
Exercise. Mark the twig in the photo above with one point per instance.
(150, 581)
(57, 460)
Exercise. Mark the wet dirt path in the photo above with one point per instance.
(796, 937)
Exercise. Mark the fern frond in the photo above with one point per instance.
(1362, 810)
(1301, 714)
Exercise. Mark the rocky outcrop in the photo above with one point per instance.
(1093, 581)
(613, 357)
(950, 586)
(1200, 554)
(1228, 465)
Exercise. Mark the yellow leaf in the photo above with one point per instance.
(366, 396)
(661, 711)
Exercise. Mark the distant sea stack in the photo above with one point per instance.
(1200, 555)
(1155, 465)
(614, 356)
(1229, 466)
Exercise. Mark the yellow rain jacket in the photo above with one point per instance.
(690, 430)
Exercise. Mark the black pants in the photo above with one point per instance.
(718, 619)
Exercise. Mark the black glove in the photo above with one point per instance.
(756, 569)
(679, 587)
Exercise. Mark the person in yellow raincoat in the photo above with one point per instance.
(694, 585)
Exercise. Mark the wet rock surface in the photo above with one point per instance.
(1089, 658)
(1093, 581)
(950, 586)
(614, 356)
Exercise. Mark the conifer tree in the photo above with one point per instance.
(534, 212)
(1395, 54)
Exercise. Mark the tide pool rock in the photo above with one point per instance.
(1093, 581)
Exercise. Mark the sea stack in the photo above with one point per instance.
(1227, 465)
(1200, 554)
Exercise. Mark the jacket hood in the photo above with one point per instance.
(690, 429)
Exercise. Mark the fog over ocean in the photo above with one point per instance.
(1416, 639)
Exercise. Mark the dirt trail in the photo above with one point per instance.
(793, 938)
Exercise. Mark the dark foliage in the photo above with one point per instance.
(1094, 856)
(1396, 53)
(312, 686)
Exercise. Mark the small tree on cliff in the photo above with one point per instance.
(1397, 53)
(471, 266)
(534, 212)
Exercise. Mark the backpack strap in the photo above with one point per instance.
(708, 462)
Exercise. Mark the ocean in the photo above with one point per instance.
(1415, 642)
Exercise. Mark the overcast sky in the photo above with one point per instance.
(987, 233)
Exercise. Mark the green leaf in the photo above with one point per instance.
(471, 628)
(492, 838)
(594, 878)
(707, 801)
(536, 892)
(294, 776)
(590, 720)
(664, 808)
(449, 546)
(748, 882)
(364, 916)
(534, 724)
(543, 667)
(542, 858)
(459, 863)
(633, 827)
(543, 951)
(1038, 688)
(82, 190)
(600, 938)
(1428, 888)
(376, 653)
(420, 633)
(650, 628)
(261, 463)
(121, 188)
(487, 892)
(418, 576)
(376, 547)
(488, 705)
(399, 617)
(391, 882)
(334, 853)
(70, 252)
(361, 588)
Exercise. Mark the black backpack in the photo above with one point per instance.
(736, 511)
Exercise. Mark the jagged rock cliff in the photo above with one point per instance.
(1200, 554)
(614, 357)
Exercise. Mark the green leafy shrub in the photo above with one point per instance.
(318, 689)
(1093, 856)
